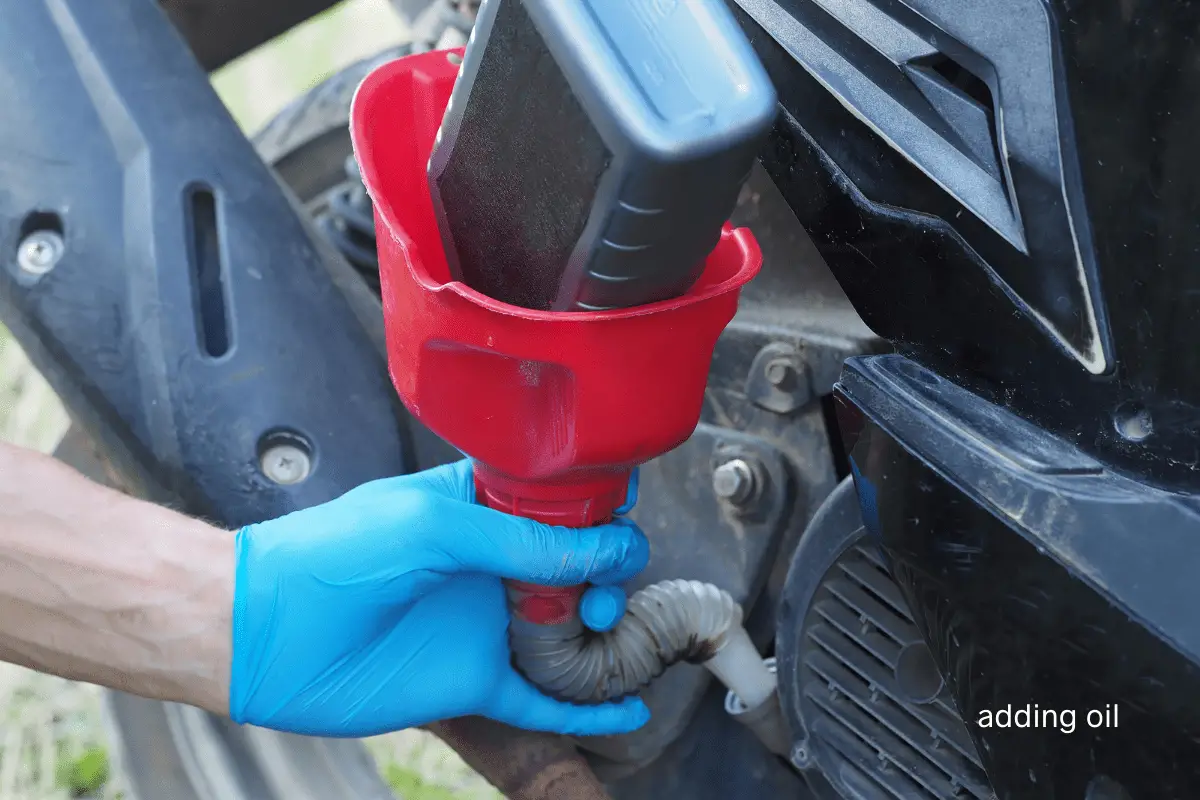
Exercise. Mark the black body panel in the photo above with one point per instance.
(1087, 322)
(1007, 192)
(191, 307)
(1040, 579)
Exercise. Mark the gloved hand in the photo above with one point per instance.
(384, 610)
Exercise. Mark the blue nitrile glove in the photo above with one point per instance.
(384, 610)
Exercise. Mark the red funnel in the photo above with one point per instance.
(556, 408)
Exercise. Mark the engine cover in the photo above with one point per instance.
(872, 714)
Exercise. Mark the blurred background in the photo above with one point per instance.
(52, 739)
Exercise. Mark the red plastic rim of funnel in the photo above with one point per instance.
(559, 404)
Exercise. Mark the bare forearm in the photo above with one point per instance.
(99, 587)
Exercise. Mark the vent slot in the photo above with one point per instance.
(964, 103)
(209, 289)
(873, 702)
(960, 78)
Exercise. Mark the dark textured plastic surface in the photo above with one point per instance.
(1026, 517)
(526, 165)
(1064, 285)
(592, 150)
(95, 145)
(1037, 581)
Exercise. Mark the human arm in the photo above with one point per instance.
(379, 610)
(100, 587)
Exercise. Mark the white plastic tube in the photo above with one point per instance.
(739, 666)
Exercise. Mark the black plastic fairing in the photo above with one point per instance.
(1055, 282)
(1041, 581)
(1030, 459)
(190, 318)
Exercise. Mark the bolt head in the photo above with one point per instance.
(734, 481)
(286, 464)
(40, 252)
(800, 757)
(780, 373)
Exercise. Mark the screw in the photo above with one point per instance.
(800, 757)
(1133, 422)
(780, 373)
(40, 252)
(285, 464)
(734, 481)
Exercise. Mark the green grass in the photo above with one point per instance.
(407, 783)
(418, 766)
(86, 773)
(30, 414)
(52, 742)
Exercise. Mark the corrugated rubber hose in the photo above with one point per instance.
(664, 624)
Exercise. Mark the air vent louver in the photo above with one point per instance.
(880, 721)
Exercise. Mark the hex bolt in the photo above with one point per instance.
(40, 252)
(780, 373)
(734, 481)
(285, 464)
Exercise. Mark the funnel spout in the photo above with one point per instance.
(665, 624)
